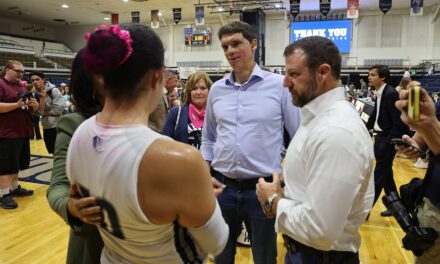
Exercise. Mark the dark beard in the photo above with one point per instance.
(302, 99)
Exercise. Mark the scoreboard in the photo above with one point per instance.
(198, 36)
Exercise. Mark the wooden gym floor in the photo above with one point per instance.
(33, 233)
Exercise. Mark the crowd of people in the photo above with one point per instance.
(145, 174)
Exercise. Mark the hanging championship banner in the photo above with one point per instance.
(200, 15)
(324, 6)
(177, 15)
(115, 19)
(352, 9)
(154, 18)
(416, 8)
(385, 5)
(135, 17)
(294, 7)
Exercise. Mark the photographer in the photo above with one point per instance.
(427, 136)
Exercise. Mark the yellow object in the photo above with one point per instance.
(414, 103)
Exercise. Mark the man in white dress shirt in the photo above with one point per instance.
(328, 167)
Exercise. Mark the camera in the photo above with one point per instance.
(417, 239)
(27, 95)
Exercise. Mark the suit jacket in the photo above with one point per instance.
(179, 133)
(85, 243)
(157, 118)
(389, 116)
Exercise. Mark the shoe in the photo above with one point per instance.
(7, 202)
(386, 213)
(21, 192)
(420, 164)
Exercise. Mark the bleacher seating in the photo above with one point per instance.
(431, 83)
(199, 64)
(27, 60)
(389, 62)
(61, 61)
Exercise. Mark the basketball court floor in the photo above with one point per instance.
(33, 233)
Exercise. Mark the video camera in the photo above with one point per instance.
(417, 239)
(27, 95)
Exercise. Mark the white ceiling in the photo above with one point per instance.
(86, 12)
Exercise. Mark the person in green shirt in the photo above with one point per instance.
(85, 243)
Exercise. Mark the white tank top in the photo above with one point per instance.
(104, 160)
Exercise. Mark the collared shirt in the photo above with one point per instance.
(165, 97)
(328, 175)
(379, 96)
(243, 129)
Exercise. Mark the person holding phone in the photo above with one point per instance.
(386, 124)
(427, 136)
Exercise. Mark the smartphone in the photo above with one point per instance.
(414, 103)
(400, 142)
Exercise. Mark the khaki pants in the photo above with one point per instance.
(429, 216)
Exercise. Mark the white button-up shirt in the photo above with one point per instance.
(328, 175)
(378, 98)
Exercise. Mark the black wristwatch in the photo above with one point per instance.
(269, 202)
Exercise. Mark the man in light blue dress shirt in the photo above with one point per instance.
(242, 139)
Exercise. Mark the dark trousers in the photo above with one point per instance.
(36, 120)
(239, 203)
(383, 173)
(50, 135)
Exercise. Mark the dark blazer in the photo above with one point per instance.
(389, 116)
(179, 133)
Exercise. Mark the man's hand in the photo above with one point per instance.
(217, 186)
(266, 189)
(33, 104)
(427, 110)
(84, 208)
(20, 103)
(410, 152)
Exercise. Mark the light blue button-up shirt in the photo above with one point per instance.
(243, 129)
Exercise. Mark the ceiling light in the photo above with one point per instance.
(124, 0)
(221, 8)
(65, 6)
(106, 18)
(277, 5)
(160, 13)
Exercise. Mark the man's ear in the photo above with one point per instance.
(254, 44)
(157, 77)
(324, 71)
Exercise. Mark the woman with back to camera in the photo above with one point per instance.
(85, 243)
(185, 123)
(153, 212)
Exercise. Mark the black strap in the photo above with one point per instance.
(425, 183)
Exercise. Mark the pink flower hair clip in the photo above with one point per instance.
(121, 33)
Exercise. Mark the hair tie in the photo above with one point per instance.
(124, 35)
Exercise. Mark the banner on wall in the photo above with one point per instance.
(115, 19)
(200, 15)
(135, 17)
(385, 5)
(352, 9)
(416, 8)
(154, 18)
(324, 7)
(177, 15)
(294, 7)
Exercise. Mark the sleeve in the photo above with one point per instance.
(399, 128)
(170, 123)
(209, 132)
(212, 236)
(57, 193)
(291, 114)
(58, 103)
(323, 214)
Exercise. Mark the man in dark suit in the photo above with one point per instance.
(386, 123)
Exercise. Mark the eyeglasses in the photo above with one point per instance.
(17, 71)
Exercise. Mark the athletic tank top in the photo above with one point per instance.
(103, 161)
